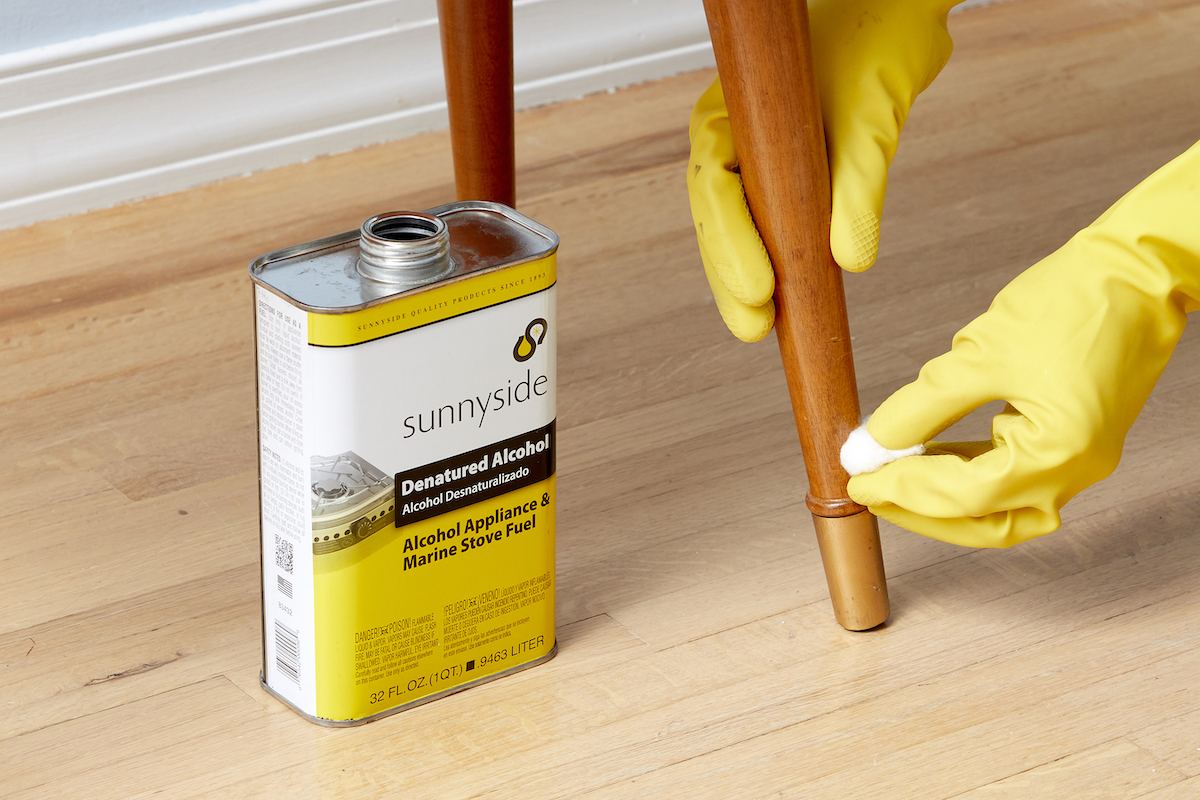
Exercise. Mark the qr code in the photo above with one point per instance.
(283, 554)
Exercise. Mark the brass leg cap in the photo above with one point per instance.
(853, 563)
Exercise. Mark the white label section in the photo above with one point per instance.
(423, 395)
(286, 507)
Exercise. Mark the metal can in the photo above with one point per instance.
(406, 418)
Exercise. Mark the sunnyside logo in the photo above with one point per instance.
(535, 333)
(510, 393)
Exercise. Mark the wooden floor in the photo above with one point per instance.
(699, 656)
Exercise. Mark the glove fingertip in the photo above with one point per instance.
(870, 490)
(855, 243)
(751, 282)
(748, 323)
(858, 489)
(726, 232)
(753, 327)
(890, 425)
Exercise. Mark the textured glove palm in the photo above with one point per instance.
(872, 57)
(1075, 345)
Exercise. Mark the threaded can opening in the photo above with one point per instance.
(405, 228)
(404, 248)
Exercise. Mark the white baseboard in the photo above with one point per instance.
(162, 107)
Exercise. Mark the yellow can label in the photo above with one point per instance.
(469, 594)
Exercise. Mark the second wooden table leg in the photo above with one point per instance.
(765, 61)
(478, 59)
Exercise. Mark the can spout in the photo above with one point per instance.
(404, 247)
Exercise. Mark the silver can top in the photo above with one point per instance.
(400, 252)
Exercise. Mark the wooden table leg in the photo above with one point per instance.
(478, 61)
(766, 67)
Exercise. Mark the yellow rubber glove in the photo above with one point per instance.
(873, 57)
(1074, 345)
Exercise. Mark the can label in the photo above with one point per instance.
(407, 455)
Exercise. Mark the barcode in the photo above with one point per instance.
(284, 554)
(284, 586)
(287, 651)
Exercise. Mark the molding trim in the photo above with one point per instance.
(163, 107)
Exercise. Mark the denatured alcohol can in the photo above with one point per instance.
(406, 407)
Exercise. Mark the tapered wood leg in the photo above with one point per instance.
(765, 62)
(478, 61)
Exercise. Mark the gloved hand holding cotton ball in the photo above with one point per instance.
(1074, 345)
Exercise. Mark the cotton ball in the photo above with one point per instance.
(861, 453)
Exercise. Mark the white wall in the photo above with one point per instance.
(135, 110)
(91, 122)
(25, 24)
